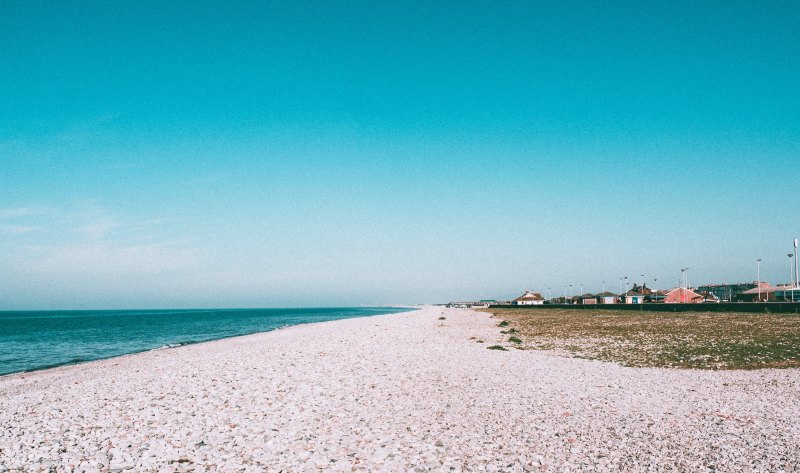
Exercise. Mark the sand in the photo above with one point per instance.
(400, 392)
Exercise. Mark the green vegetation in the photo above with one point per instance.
(442, 318)
(496, 347)
(702, 340)
(509, 331)
(503, 324)
(514, 340)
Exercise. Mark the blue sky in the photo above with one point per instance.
(196, 154)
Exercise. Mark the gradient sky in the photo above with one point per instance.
(212, 154)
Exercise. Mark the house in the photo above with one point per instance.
(529, 298)
(681, 295)
(587, 299)
(709, 297)
(633, 297)
(656, 297)
(789, 293)
(606, 298)
(728, 292)
(765, 293)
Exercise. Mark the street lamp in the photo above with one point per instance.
(791, 276)
(655, 288)
(626, 284)
(758, 277)
(685, 283)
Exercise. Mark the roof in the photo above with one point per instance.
(761, 290)
(529, 296)
(680, 289)
(606, 294)
(636, 293)
(587, 296)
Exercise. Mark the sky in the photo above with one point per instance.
(269, 154)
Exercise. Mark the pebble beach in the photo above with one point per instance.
(406, 392)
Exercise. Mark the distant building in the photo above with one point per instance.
(788, 293)
(681, 295)
(636, 295)
(586, 299)
(767, 293)
(633, 297)
(656, 297)
(728, 292)
(529, 298)
(708, 297)
(606, 298)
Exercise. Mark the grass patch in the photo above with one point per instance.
(514, 340)
(702, 340)
(442, 318)
(509, 331)
(497, 347)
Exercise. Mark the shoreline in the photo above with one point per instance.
(399, 392)
(174, 345)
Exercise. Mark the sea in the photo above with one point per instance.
(35, 340)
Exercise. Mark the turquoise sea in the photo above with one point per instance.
(33, 340)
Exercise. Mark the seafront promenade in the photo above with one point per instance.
(400, 392)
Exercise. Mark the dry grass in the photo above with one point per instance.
(704, 340)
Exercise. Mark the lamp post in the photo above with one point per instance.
(796, 273)
(570, 293)
(548, 294)
(565, 294)
(626, 284)
(655, 288)
(758, 277)
(684, 283)
(791, 276)
(604, 286)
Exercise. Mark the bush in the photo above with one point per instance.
(496, 347)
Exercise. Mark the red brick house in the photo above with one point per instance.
(681, 295)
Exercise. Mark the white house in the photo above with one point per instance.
(633, 297)
(606, 298)
(529, 298)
